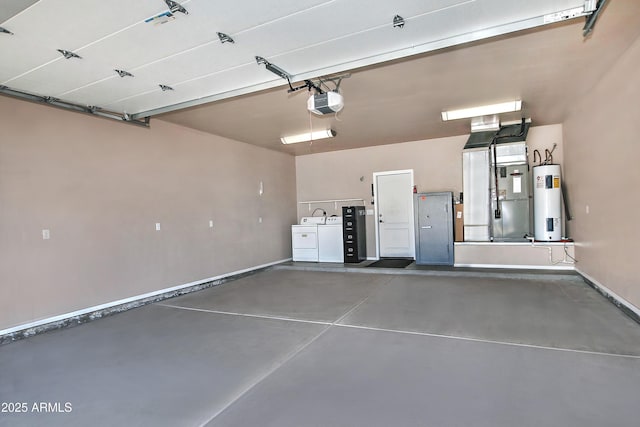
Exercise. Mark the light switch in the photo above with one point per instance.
(211, 223)
(157, 226)
(260, 220)
(46, 235)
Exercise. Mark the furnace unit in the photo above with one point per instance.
(510, 194)
(496, 185)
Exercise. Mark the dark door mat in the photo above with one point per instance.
(391, 263)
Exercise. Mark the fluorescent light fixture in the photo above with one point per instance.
(485, 110)
(303, 137)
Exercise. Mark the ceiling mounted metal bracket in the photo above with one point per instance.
(276, 70)
(123, 73)
(321, 81)
(68, 54)
(336, 80)
(165, 88)
(398, 21)
(175, 7)
(5, 31)
(273, 68)
(224, 38)
(309, 85)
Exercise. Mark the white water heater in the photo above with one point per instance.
(547, 203)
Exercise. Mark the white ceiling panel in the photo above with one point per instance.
(66, 24)
(373, 38)
(238, 16)
(193, 35)
(187, 42)
(111, 89)
(214, 84)
(21, 53)
(199, 63)
(63, 75)
(331, 22)
(149, 42)
(11, 8)
(206, 61)
(306, 38)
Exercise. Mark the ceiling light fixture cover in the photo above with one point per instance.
(309, 136)
(484, 110)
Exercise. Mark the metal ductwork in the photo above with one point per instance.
(506, 134)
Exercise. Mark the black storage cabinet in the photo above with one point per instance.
(355, 233)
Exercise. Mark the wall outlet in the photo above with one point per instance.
(157, 226)
(46, 234)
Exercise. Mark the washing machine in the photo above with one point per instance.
(304, 238)
(331, 240)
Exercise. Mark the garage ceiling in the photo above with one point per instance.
(449, 53)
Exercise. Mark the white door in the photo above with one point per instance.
(394, 213)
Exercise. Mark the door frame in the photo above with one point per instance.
(375, 206)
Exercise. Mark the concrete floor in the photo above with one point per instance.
(294, 347)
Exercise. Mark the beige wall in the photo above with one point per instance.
(602, 146)
(515, 255)
(437, 165)
(100, 187)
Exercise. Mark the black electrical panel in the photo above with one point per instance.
(355, 233)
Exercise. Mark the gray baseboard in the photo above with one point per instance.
(75, 320)
(624, 306)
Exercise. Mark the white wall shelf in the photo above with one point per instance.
(334, 201)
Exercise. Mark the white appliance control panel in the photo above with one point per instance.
(334, 220)
(311, 220)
